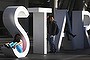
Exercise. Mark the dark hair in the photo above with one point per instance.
(50, 16)
(17, 36)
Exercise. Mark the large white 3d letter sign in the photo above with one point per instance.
(86, 24)
(10, 20)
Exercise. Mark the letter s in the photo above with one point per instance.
(10, 20)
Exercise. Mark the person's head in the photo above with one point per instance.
(17, 37)
(50, 18)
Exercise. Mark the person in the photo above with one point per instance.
(51, 33)
(16, 43)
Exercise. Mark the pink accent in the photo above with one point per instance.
(24, 43)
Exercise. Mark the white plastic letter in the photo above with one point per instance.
(87, 26)
(10, 20)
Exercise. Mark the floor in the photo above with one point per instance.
(64, 55)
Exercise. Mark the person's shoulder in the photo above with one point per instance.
(54, 22)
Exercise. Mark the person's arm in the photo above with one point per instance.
(19, 43)
(55, 27)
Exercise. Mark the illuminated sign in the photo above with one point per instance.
(10, 20)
